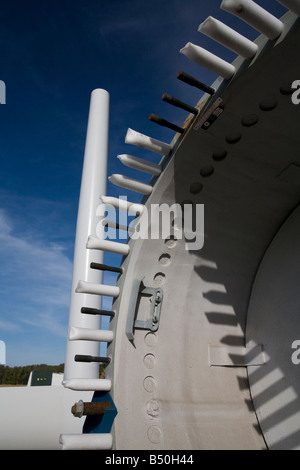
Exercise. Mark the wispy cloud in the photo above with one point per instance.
(9, 326)
(35, 282)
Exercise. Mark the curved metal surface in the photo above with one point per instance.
(170, 388)
(273, 319)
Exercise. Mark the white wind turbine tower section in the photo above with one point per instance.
(199, 343)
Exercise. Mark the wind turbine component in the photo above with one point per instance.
(130, 183)
(202, 337)
(146, 142)
(293, 5)
(140, 164)
(205, 58)
(255, 16)
(94, 243)
(228, 37)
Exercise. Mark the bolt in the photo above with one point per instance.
(90, 409)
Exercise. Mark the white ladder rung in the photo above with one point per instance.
(94, 243)
(84, 287)
(228, 37)
(130, 183)
(88, 334)
(93, 441)
(205, 58)
(122, 204)
(141, 140)
(82, 384)
(140, 164)
(256, 16)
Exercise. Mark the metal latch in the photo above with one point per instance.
(152, 323)
(213, 112)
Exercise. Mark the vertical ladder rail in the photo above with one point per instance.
(93, 183)
(84, 334)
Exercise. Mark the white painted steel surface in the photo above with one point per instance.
(205, 58)
(228, 37)
(136, 138)
(88, 334)
(98, 289)
(80, 384)
(255, 16)
(140, 164)
(94, 243)
(94, 177)
(192, 373)
(32, 418)
(130, 183)
(86, 441)
(123, 204)
(273, 317)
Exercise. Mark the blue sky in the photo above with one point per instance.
(53, 54)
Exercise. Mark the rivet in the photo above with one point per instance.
(286, 89)
(177, 223)
(233, 137)
(154, 434)
(196, 187)
(149, 361)
(165, 259)
(171, 241)
(152, 408)
(268, 103)
(150, 384)
(159, 279)
(207, 171)
(150, 339)
(219, 154)
(249, 120)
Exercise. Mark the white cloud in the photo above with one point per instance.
(35, 281)
(8, 326)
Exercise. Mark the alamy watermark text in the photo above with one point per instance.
(159, 221)
(296, 93)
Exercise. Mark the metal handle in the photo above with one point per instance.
(152, 324)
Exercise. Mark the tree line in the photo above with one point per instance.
(19, 375)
